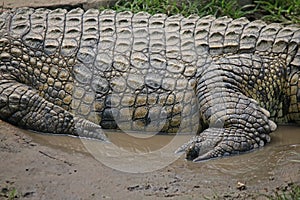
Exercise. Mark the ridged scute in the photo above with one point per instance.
(140, 31)
(188, 50)
(55, 30)
(20, 22)
(72, 33)
(105, 47)
(296, 58)
(157, 38)
(250, 35)
(216, 35)
(267, 37)
(175, 37)
(5, 18)
(124, 33)
(283, 38)
(202, 32)
(88, 49)
(172, 34)
(233, 34)
(35, 35)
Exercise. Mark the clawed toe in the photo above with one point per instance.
(215, 142)
(192, 152)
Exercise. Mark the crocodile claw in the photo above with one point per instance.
(218, 142)
(87, 129)
(202, 147)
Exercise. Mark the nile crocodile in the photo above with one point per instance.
(78, 72)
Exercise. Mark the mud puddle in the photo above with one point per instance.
(259, 164)
(58, 167)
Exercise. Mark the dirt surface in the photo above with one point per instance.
(35, 166)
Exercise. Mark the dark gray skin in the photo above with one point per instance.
(77, 73)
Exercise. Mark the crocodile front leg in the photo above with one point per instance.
(21, 105)
(236, 123)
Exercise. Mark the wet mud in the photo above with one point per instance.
(37, 166)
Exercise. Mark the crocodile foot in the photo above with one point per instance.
(217, 142)
(87, 129)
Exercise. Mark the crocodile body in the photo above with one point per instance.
(79, 72)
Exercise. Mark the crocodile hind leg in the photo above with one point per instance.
(21, 105)
(248, 128)
(236, 122)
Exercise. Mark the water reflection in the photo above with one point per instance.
(283, 149)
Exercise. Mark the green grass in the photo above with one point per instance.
(13, 194)
(9, 193)
(283, 11)
(184, 7)
(292, 194)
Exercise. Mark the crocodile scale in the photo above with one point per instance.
(78, 72)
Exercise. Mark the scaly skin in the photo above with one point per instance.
(79, 72)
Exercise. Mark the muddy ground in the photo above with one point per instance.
(35, 166)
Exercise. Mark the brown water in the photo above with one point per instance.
(158, 150)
